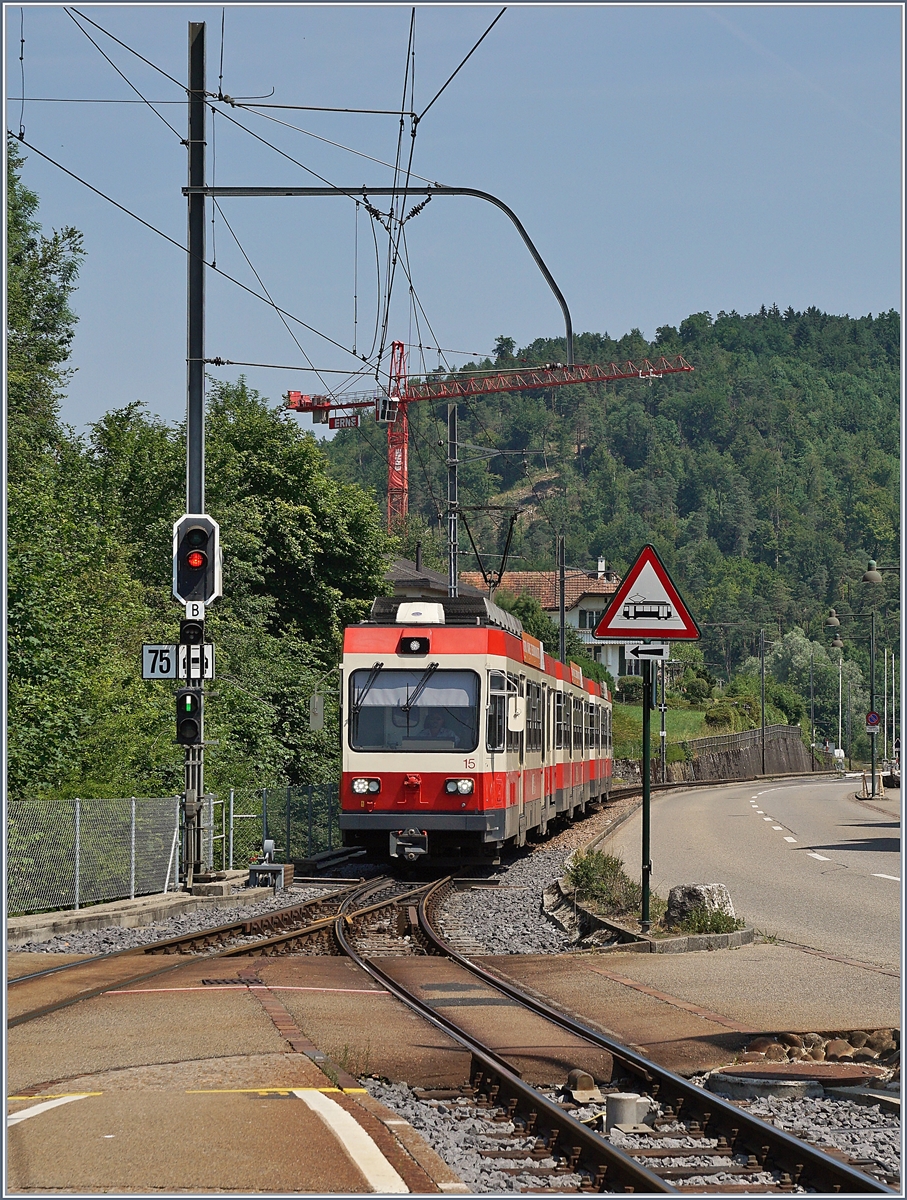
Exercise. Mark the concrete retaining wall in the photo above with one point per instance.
(728, 756)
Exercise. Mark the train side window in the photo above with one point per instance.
(577, 727)
(558, 720)
(497, 710)
(590, 725)
(608, 731)
(543, 713)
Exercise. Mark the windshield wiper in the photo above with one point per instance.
(366, 688)
(420, 687)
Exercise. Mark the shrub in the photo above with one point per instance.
(601, 877)
(630, 689)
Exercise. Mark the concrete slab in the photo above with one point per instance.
(138, 1141)
(696, 1011)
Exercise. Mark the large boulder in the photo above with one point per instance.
(686, 897)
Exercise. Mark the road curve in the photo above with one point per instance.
(804, 861)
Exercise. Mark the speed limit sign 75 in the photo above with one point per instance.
(159, 662)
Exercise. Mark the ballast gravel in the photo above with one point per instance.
(118, 937)
(459, 1133)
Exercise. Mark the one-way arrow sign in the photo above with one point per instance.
(652, 650)
(647, 605)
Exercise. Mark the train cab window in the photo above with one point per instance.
(413, 711)
(515, 686)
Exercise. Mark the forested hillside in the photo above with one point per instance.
(89, 577)
(766, 478)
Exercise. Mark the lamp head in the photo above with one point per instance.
(871, 575)
(832, 622)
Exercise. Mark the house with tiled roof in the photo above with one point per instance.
(586, 596)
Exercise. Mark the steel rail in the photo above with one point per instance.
(602, 1161)
(741, 1129)
(166, 945)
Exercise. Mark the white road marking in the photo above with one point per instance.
(820, 857)
(777, 827)
(879, 875)
(768, 818)
(36, 1109)
(760, 811)
(790, 839)
(362, 1150)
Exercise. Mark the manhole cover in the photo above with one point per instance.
(840, 1073)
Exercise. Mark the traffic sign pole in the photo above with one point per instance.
(646, 788)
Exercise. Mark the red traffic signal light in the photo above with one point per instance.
(196, 559)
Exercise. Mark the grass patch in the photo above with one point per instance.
(681, 724)
(603, 885)
(704, 920)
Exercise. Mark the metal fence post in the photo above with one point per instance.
(78, 814)
(288, 826)
(132, 851)
(330, 816)
(310, 800)
(209, 861)
(176, 861)
(231, 829)
(264, 816)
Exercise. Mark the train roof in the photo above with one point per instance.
(449, 610)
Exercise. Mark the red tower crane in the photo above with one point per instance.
(390, 409)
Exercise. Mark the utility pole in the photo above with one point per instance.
(762, 690)
(453, 503)
(561, 597)
(194, 768)
(647, 702)
(872, 701)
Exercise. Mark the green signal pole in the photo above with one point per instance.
(646, 787)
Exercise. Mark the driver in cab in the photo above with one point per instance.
(435, 729)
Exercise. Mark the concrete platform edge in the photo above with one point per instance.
(442, 1175)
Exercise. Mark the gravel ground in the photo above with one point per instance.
(508, 919)
(458, 1132)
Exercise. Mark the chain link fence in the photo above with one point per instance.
(303, 821)
(67, 853)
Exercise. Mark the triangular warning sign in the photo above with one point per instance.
(647, 605)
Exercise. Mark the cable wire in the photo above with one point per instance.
(22, 71)
(178, 245)
(127, 81)
(147, 61)
(462, 64)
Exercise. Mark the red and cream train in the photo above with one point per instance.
(460, 733)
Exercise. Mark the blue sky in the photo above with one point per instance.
(665, 159)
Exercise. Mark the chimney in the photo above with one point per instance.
(602, 568)
(418, 556)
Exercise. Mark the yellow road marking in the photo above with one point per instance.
(278, 1091)
(55, 1095)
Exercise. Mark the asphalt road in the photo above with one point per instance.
(802, 859)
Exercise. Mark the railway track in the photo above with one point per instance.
(303, 928)
(539, 1137)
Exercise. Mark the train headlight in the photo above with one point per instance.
(462, 786)
(361, 786)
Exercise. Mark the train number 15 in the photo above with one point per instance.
(469, 764)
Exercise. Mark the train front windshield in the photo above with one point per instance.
(423, 710)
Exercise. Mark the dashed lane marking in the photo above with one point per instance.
(379, 1173)
(879, 875)
(777, 827)
(36, 1109)
(820, 857)
(790, 839)
(768, 818)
